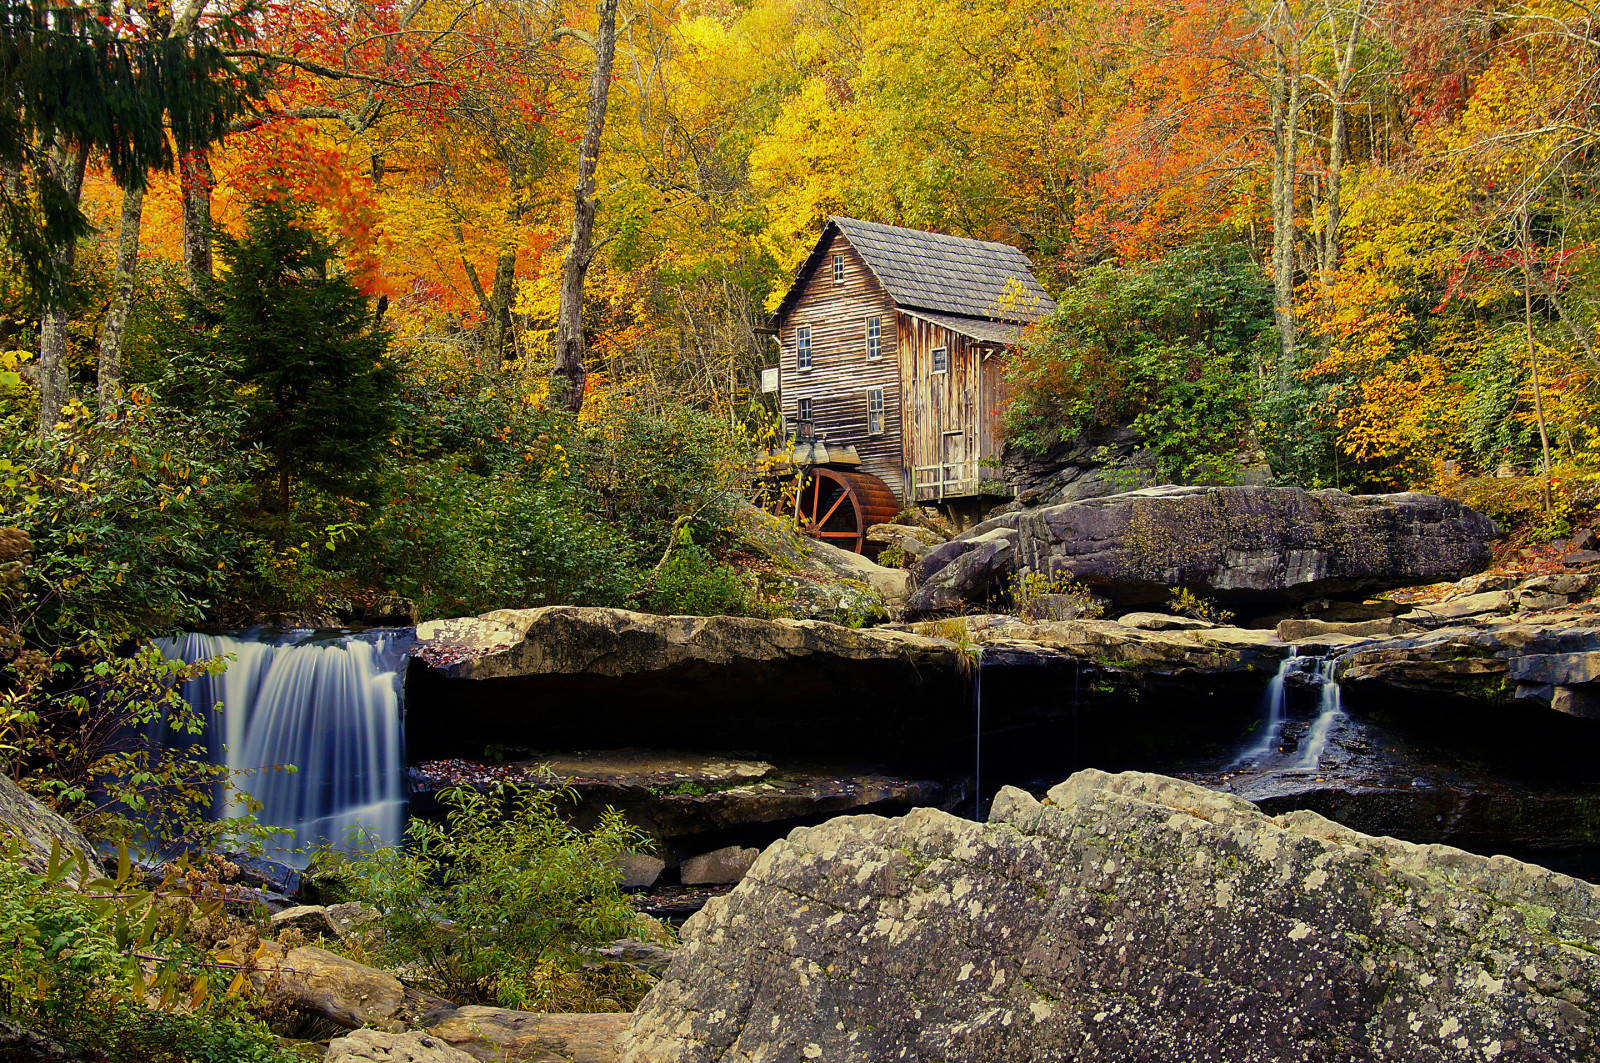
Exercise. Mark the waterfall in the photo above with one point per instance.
(329, 704)
(1273, 702)
(1329, 710)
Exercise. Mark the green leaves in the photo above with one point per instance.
(1170, 348)
(499, 903)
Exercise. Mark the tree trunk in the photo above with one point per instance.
(116, 323)
(1285, 149)
(497, 326)
(566, 384)
(68, 165)
(195, 170)
(1533, 352)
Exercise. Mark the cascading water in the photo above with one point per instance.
(1273, 701)
(327, 704)
(1329, 710)
(1307, 756)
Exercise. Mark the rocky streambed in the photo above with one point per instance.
(1463, 720)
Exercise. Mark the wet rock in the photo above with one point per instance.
(640, 870)
(20, 1044)
(496, 1035)
(720, 868)
(379, 1046)
(691, 803)
(41, 829)
(1131, 917)
(1246, 547)
(311, 920)
(1555, 667)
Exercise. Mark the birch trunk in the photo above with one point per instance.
(1285, 148)
(1533, 351)
(68, 165)
(116, 322)
(567, 377)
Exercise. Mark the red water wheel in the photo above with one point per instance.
(838, 506)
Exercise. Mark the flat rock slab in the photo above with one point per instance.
(1129, 917)
(496, 1035)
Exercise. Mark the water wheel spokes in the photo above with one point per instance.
(839, 506)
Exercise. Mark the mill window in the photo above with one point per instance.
(875, 412)
(804, 428)
(874, 337)
(838, 269)
(802, 346)
(941, 359)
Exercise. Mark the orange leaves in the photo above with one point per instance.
(290, 160)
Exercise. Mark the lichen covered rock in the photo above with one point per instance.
(1247, 547)
(1128, 917)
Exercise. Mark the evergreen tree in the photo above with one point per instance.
(307, 354)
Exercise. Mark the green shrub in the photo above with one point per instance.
(499, 904)
(1171, 347)
(1182, 601)
(117, 967)
(1037, 597)
(694, 583)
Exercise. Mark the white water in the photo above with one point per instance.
(1329, 710)
(329, 706)
(1273, 702)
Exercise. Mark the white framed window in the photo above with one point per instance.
(874, 337)
(941, 359)
(838, 269)
(802, 346)
(875, 412)
(803, 416)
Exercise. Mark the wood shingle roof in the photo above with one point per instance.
(944, 274)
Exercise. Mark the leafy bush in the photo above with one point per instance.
(1037, 597)
(115, 966)
(499, 904)
(694, 583)
(1184, 602)
(1171, 347)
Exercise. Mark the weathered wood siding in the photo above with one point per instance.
(841, 374)
(951, 419)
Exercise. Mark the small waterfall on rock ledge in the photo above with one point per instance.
(1329, 709)
(329, 704)
(1273, 701)
(1268, 752)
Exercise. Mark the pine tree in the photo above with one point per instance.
(308, 357)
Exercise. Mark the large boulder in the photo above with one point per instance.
(1250, 548)
(1130, 917)
(39, 830)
